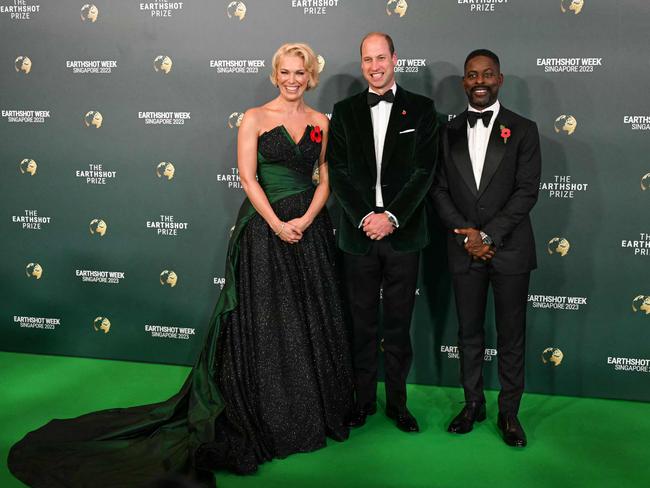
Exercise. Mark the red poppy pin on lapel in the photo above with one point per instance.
(403, 112)
(505, 133)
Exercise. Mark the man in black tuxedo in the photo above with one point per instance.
(381, 153)
(484, 190)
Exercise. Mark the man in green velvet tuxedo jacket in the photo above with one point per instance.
(381, 154)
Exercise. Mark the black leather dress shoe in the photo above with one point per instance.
(403, 420)
(358, 417)
(464, 421)
(511, 430)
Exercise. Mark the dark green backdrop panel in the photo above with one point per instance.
(105, 219)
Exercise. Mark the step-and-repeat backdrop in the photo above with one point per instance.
(119, 185)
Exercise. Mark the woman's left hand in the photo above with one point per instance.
(301, 223)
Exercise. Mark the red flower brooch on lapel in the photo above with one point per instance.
(505, 134)
(316, 135)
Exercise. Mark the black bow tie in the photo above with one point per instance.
(374, 99)
(472, 117)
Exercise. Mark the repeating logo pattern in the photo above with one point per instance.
(572, 6)
(397, 8)
(552, 356)
(89, 13)
(93, 119)
(23, 64)
(235, 119)
(165, 171)
(559, 246)
(98, 227)
(102, 324)
(34, 270)
(641, 304)
(28, 167)
(566, 124)
(110, 173)
(645, 182)
(236, 10)
(162, 64)
(321, 63)
(168, 278)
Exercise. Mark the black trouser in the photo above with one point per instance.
(397, 272)
(510, 300)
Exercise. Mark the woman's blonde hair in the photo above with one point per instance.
(301, 50)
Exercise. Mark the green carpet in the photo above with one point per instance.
(573, 442)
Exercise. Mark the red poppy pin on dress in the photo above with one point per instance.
(316, 135)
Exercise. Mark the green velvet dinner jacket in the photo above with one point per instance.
(408, 161)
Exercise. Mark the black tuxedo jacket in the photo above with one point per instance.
(408, 161)
(507, 192)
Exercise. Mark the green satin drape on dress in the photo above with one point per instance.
(132, 446)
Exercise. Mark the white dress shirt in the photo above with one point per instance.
(477, 140)
(380, 114)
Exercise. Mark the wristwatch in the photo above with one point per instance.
(487, 240)
(392, 220)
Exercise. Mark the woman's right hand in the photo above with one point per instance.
(289, 233)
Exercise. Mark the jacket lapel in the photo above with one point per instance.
(394, 126)
(495, 151)
(364, 125)
(458, 146)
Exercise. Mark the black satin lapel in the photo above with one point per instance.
(392, 131)
(458, 146)
(366, 137)
(495, 151)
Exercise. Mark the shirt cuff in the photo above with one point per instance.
(483, 236)
(396, 224)
(364, 218)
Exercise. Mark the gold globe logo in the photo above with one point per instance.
(28, 167)
(566, 124)
(23, 64)
(165, 170)
(559, 245)
(162, 64)
(168, 278)
(641, 304)
(102, 324)
(236, 10)
(34, 270)
(574, 6)
(234, 119)
(397, 7)
(552, 355)
(93, 119)
(98, 226)
(645, 182)
(89, 13)
(321, 63)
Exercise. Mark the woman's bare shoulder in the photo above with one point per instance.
(318, 118)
